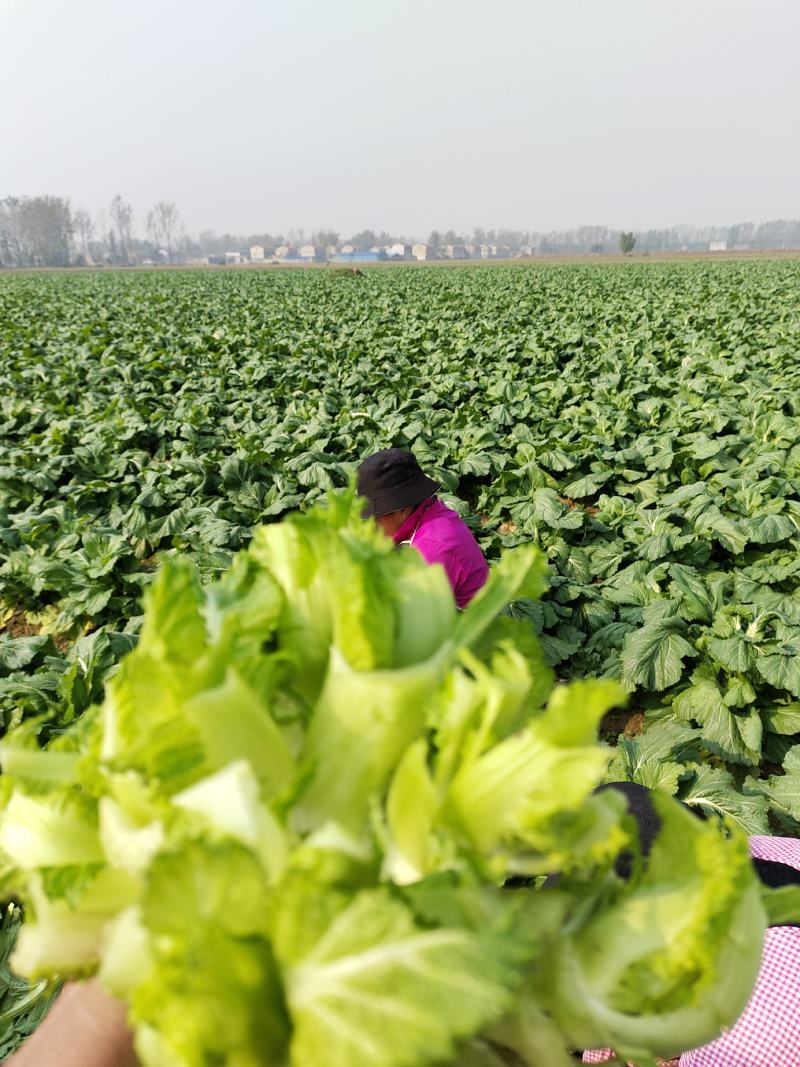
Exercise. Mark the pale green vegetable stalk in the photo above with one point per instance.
(283, 838)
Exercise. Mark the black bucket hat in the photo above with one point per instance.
(392, 479)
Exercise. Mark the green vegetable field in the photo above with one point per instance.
(639, 424)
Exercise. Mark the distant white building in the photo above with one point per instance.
(348, 250)
(718, 246)
(312, 253)
(398, 250)
(231, 258)
(257, 253)
(454, 252)
(281, 252)
(419, 251)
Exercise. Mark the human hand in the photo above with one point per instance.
(84, 1028)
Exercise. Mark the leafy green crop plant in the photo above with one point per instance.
(283, 836)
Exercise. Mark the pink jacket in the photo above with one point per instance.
(441, 536)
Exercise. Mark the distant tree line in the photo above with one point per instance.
(779, 234)
(36, 231)
(45, 231)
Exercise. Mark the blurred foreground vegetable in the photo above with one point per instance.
(283, 836)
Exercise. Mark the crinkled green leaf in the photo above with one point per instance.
(378, 989)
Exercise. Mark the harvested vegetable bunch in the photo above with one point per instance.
(282, 839)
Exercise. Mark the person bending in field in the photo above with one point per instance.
(767, 1033)
(403, 502)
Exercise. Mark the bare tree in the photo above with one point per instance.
(122, 217)
(164, 228)
(11, 250)
(170, 219)
(35, 231)
(325, 238)
(152, 229)
(84, 228)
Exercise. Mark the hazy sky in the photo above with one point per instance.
(263, 115)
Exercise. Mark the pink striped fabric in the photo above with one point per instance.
(767, 1034)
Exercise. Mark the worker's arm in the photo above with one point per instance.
(84, 1028)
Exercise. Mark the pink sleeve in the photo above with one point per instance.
(434, 552)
